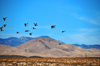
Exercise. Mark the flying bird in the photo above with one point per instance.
(35, 24)
(26, 30)
(26, 24)
(30, 33)
(4, 25)
(17, 32)
(1, 28)
(63, 31)
(33, 27)
(4, 18)
(53, 26)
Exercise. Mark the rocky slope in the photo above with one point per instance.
(48, 46)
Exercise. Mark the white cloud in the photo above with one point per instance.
(88, 36)
(82, 38)
(88, 30)
(87, 19)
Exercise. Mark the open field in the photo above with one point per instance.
(49, 61)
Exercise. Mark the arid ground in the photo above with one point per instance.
(49, 61)
(48, 52)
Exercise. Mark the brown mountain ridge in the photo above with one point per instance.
(47, 47)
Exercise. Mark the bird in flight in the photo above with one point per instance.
(17, 32)
(26, 30)
(4, 25)
(26, 24)
(30, 33)
(1, 28)
(33, 27)
(35, 24)
(4, 18)
(53, 26)
(63, 31)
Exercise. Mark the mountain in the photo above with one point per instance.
(13, 41)
(8, 51)
(97, 46)
(51, 48)
(46, 47)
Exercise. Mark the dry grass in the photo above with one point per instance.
(49, 62)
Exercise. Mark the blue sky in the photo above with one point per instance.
(79, 18)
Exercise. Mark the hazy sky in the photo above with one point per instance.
(79, 18)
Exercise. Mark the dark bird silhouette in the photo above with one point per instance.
(33, 27)
(53, 26)
(35, 24)
(26, 30)
(1, 28)
(4, 18)
(26, 24)
(4, 25)
(17, 32)
(30, 33)
(63, 31)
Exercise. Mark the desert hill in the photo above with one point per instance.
(7, 51)
(51, 47)
(14, 42)
(47, 47)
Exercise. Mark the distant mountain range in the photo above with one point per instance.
(46, 47)
(13, 41)
(97, 46)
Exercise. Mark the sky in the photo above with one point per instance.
(79, 18)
